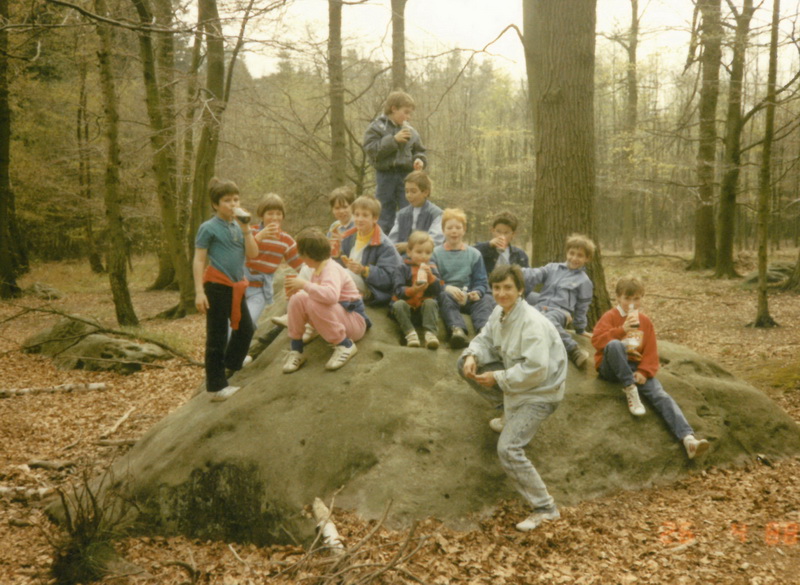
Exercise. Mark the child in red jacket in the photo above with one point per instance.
(625, 341)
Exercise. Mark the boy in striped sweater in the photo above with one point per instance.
(274, 246)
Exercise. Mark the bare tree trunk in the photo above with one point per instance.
(8, 273)
(559, 52)
(763, 318)
(117, 252)
(158, 97)
(711, 41)
(399, 44)
(85, 170)
(732, 159)
(186, 181)
(213, 108)
(629, 143)
(336, 81)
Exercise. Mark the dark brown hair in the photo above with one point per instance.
(342, 196)
(312, 243)
(218, 188)
(271, 201)
(627, 286)
(506, 218)
(421, 180)
(500, 273)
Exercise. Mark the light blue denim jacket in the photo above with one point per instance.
(531, 351)
(562, 288)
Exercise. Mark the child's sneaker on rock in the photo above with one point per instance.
(579, 357)
(310, 334)
(535, 520)
(412, 339)
(293, 361)
(498, 424)
(458, 338)
(431, 341)
(634, 404)
(341, 355)
(695, 447)
(281, 320)
(223, 394)
(247, 361)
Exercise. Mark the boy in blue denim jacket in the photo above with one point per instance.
(566, 293)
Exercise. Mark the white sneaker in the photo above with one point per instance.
(634, 404)
(293, 361)
(247, 361)
(431, 341)
(412, 339)
(310, 334)
(281, 320)
(536, 519)
(579, 357)
(224, 394)
(341, 355)
(695, 447)
(498, 424)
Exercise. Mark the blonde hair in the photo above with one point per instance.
(454, 213)
(370, 204)
(418, 238)
(583, 242)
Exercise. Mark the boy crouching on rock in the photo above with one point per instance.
(625, 341)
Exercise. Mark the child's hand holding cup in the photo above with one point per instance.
(288, 283)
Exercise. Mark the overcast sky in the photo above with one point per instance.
(433, 26)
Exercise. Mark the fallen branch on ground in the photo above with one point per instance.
(117, 424)
(52, 389)
(115, 442)
(50, 465)
(26, 493)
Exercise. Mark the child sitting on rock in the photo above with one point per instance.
(566, 293)
(625, 341)
(417, 284)
(329, 301)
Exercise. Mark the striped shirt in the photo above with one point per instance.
(271, 253)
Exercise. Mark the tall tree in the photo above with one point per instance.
(399, 44)
(763, 318)
(732, 158)
(157, 66)
(560, 56)
(711, 43)
(336, 89)
(8, 273)
(117, 253)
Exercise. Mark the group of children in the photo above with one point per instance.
(415, 261)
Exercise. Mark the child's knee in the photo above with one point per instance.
(614, 346)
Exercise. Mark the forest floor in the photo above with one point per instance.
(719, 526)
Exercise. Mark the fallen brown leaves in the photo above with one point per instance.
(723, 526)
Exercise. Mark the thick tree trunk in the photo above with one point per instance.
(117, 252)
(8, 274)
(559, 50)
(399, 44)
(704, 231)
(732, 158)
(763, 318)
(85, 171)
(213, 108)
(166, 273)
(163, 142)
(336, 81)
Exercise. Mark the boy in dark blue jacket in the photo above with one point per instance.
(499, 250)
(420, 214)
(394, 148)
(368, 253)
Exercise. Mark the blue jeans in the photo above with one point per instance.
(522, 423)
(451, 311)
(390, 190)
(616, 367)
(259, 297)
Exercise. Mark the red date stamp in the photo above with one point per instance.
(775, 533)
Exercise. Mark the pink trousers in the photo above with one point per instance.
(332, 322)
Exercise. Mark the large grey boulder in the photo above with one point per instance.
(398, 425)
(75, 345)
